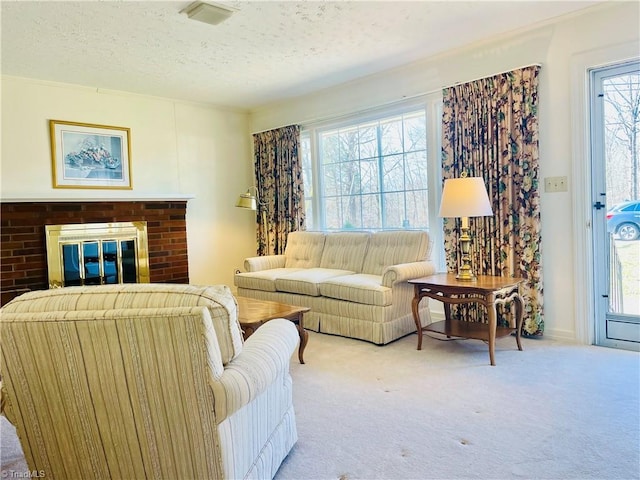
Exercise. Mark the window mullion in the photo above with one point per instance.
(381, 199)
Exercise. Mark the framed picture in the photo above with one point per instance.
(90, 156)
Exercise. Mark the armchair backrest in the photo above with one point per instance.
(218, 299)
(107, 387)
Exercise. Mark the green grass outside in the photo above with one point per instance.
(629, 255)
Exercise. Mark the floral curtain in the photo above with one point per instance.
(278, 169)
(490, 130)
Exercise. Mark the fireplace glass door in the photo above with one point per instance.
(103, 262)
(97, 254)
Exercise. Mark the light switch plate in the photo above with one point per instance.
(555, 184)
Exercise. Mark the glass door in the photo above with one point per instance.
(615, 137)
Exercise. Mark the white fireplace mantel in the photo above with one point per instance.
(164, 197)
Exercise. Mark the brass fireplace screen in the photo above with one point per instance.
(97, 254)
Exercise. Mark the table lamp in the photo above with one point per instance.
(465, 197)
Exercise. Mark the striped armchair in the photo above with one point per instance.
(146, 381)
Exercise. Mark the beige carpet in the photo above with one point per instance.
(553, 411)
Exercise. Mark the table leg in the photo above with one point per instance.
(447, 315)
(493, 325)
(304, 336)
(519, 311)
(416, 315)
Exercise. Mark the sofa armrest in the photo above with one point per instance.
(267, 262)
(265, 358)
(406, 271)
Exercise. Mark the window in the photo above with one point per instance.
(372, 172)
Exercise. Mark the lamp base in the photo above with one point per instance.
(465, 272)
(465, 275)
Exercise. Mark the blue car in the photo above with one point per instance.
(623, 220)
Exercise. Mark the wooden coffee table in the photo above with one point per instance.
(252, 313)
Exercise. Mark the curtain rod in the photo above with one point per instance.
(494, 74)
(469, 81)
(391, 103)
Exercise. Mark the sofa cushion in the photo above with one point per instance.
(264, 280)
(345, 250)
(304, 249)
(307, 281)
(358, 288)
(395, 247)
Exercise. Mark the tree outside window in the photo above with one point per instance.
(370, 175)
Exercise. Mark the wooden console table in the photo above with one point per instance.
(485, 290)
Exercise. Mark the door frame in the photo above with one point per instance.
(583, 269)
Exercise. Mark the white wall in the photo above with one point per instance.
(177, 149)
(554, 46)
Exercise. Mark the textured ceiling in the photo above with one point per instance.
(267, 51)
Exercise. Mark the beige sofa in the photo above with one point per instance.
(146, 381)
(355, 283)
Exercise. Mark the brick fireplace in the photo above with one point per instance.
(23, 259)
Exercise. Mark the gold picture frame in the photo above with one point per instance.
(86, 155)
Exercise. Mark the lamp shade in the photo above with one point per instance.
(465, 197)
(246, 200)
